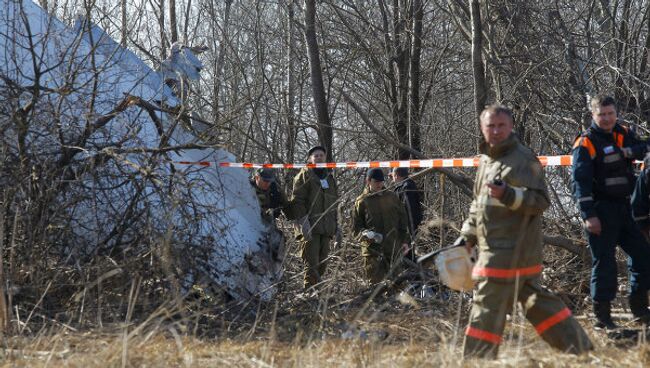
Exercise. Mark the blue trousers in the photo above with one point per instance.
(618, 228)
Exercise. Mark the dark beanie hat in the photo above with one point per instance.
(375, 173)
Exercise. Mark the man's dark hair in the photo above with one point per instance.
(601, 100)
(402, 172)
(497, 109)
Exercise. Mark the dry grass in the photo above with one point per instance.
(410, 349)
(338, 328)
(301, 333)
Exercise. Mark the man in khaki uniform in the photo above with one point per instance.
(314, 203)
(270, 196)
(381, 224)
(505, 219)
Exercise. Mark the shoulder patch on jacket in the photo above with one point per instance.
(620, 133)
(585, 142)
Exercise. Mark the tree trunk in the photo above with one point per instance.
(401, 67)
(173, 22)
(579, 78)
(186, 38)
(291, 84)
(480, 85)
(324, 127)
(621, 92)
(220, 60)
(161, 24)
(125, 31)
(644, 103)
(416, 52)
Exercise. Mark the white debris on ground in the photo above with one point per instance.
(244, 255)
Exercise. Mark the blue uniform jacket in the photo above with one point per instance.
(584, 155)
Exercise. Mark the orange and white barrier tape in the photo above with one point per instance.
(564, 160)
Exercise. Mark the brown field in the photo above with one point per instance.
(345, 325)
(304, 332)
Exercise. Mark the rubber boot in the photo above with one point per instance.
(603, 314)
(639, 307)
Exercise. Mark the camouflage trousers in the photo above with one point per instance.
(314, 253)
(380, 262)
(550, 317)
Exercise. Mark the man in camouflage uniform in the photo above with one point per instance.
(505, 219)
(271, 198)
(380, 211)
(314, 204)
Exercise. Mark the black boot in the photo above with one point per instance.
(639, 307)
(603, 313)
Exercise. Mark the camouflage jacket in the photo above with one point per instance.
(273, 198)
(381, 212)
(316, 198)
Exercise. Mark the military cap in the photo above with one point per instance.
(375, 173)
(266, 174)
(316, 148)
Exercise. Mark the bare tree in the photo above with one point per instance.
(414, 70)
(219, 61)
(162, 27)
(124, 23)
(173, 21)
(291, 81)
(323, 124)
(370, 80)
(480, 84)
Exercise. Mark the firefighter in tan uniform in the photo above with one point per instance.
(380, 223)
(505, 220)
(314, 203)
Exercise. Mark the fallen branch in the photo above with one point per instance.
(577, 248)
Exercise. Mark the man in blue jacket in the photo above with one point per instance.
(641, 199)
(410, 195)
(603, 179)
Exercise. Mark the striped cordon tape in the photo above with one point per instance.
(564, 160)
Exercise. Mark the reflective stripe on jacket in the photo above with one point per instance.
(600, 170)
